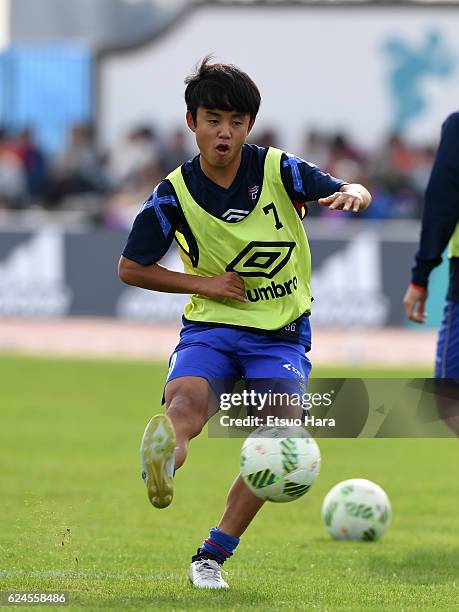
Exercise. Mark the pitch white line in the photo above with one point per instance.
(84, 574)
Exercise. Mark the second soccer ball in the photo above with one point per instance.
(356, 509)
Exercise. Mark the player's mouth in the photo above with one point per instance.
(222, 149)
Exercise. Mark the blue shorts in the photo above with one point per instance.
(447, 359)
(228, 354)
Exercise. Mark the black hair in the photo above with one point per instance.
(223, 87)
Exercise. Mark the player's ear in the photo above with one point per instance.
(190, 121)
(251, 124)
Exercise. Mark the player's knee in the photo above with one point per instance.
(186, 414)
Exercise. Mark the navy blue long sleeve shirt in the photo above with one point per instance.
(441, 207)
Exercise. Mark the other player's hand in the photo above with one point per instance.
(414, 303)
(227, 285)
(344, 200)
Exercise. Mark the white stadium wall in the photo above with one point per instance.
(329, 67)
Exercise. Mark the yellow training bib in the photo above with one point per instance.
(268, 249)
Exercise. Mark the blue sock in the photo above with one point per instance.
(220, 544)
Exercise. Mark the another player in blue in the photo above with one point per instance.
(440, 227)
(235, 212)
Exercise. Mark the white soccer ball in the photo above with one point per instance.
(356, 509)
(279, 464)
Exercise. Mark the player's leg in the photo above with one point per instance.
(189, 406)
(206, 565)
(447, 367)
(200, 356)
(166, 437)
(263, 360)
(241, 507)
(447, 357)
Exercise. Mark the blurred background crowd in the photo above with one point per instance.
(108, 187)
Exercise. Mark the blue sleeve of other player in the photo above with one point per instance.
(441, 205)
(154, 227)
(304, 182)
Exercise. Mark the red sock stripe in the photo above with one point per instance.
(222, 550)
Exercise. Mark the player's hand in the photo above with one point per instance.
(344, 200)
(227, 285)
(414, 303)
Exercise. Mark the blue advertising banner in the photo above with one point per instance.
(357, 279)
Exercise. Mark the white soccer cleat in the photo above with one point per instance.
(157, 456)
(207, 574)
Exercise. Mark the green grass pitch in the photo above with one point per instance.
(75, 516)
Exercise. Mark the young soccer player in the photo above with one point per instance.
(235, 211)
(440, 226)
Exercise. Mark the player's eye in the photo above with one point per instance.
(213, 121)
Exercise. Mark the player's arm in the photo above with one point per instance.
(352, 197)
(305, 182)
(158, 278)
(149, 240)
(414, 303)
(439, 218)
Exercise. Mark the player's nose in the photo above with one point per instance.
(225, 130)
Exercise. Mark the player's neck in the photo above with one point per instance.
(222, 176)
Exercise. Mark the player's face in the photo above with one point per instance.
(219, 135)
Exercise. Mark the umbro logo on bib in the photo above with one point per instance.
(261, 258)
(273, 291)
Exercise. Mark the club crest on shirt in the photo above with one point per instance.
(253, 192)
